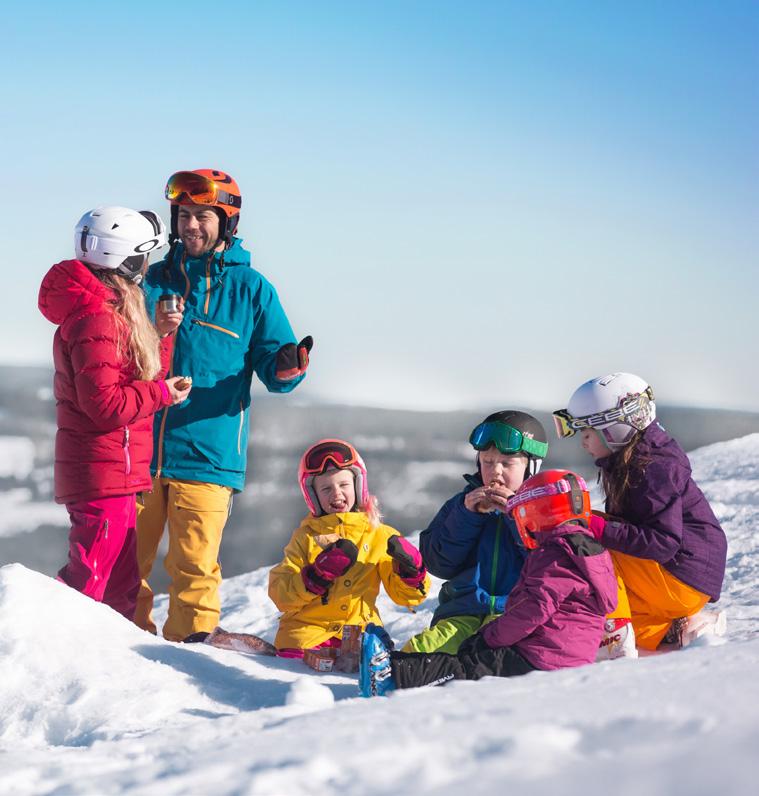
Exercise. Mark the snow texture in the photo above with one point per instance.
(89, 704)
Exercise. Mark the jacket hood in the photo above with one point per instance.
(70, 287)
(347, 524)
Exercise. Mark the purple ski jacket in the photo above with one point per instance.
(666, 517)
(554, 616)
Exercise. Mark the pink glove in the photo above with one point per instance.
(407, 562)
(335, 560)
(597, 525)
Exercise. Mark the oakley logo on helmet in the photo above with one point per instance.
(148, 246)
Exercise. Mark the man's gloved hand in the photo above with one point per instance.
(292, 360)
(473, 646)
(597, 525)
(407, 562)
(335, 560)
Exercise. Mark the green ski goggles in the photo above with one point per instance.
(506, 439)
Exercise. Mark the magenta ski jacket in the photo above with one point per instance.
(554, 616)
(666, 518)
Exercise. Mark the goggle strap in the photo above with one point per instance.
(487, 434)
(560, 487)
(569, 425)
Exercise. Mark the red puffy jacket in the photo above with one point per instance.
(105, 414)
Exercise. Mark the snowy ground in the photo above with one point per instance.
(91, 705)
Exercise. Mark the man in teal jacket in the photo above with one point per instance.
(227, 323)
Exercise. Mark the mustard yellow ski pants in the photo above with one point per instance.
(196, 514)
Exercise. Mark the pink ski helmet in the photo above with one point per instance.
(331, 454)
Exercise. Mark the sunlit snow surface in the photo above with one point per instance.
(91, 705)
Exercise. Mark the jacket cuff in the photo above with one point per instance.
(165, 392)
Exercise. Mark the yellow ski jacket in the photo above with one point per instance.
(307, 621)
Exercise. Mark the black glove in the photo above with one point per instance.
(292, 360)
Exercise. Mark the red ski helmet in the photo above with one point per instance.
(548, 499)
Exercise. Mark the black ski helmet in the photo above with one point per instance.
(526, 424)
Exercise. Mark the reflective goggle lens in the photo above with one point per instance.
(562, 422)
(506, 438)
(331, 451)
(200, 190)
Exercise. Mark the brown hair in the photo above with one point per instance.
(137, 337)
(627, 467)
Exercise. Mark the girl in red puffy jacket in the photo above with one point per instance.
(108, 364)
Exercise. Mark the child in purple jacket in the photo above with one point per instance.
(666, 543)
(554, 615)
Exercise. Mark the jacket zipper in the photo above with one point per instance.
(494, 568)
(214, 326)
(239, 430)
(127, 457)
(208, 284)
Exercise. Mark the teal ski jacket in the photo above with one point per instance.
(233, 327)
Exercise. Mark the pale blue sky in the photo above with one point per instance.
(465, 203)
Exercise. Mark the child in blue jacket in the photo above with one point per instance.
(471, 541)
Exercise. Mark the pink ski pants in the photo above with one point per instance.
(102, 559)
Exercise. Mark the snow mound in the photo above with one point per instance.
(69, 665)
(89, 704)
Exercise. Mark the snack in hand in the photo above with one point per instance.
(184, 383)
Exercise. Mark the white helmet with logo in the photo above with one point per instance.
(118, 239)
(617, 406)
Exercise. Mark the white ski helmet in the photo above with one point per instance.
(617, 406)
(118, 239)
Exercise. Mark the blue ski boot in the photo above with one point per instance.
(375, 674)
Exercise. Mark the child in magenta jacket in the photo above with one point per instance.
(554, 615)
(107, 388)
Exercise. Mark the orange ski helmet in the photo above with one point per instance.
(206, 188)
(548, 499)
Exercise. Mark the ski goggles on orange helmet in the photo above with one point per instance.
(548, 500)
(634, 412)
(328, 452)
(199, 190)
(506, 439)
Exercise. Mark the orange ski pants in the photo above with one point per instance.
(656, 597)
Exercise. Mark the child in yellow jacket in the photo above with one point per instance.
(335, 561)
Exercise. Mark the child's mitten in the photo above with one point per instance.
(407, 562)
(335, 560)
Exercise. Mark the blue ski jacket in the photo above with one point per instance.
(233, 327)
(478, 554)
